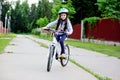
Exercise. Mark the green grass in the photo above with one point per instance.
(43, 36)
(91, 72)
(4, 40)
(102, 48)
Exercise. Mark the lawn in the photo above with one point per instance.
(102, 48)
(4, 40)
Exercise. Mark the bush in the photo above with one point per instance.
(42, 22)
(92, 21)
(36, 31)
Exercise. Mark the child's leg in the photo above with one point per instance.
(63, 37)
(57, 37)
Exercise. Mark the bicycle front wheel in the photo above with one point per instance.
(50, 57)
(67, 53)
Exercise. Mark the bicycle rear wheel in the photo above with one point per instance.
(50, 57)
(67, 53)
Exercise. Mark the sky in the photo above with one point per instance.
(29, 1)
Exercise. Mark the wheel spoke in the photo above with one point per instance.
(67, 52)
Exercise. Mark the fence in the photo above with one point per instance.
(76, 32)
(105, 29)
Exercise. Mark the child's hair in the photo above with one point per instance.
(60, 20)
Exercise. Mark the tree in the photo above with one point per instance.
(43, 9)
(84, 8)
(110, 8)
(42, 22)
(15, 17)
(25, 16)
(38, 10)
(32, 12)
(46, 9)
(20, 17)
(32, 17)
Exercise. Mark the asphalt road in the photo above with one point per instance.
(24, 59)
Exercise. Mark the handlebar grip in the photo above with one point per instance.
(47, 29)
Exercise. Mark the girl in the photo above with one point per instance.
(63, 24)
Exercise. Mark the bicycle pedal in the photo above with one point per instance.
(61, 57)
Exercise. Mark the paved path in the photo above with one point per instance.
(26, 60)
(99, 63)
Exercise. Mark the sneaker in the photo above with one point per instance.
(62, 56)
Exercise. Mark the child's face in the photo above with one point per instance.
(63, 16)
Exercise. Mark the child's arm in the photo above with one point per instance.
(69, 26)
(51, 24)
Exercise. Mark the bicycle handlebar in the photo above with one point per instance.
(53, 32)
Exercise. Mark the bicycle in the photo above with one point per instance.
(54, 51)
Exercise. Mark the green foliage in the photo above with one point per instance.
(110, 8)
(43, 9)
(36, 31)
(46, 9)
(84, 8)
(57, 5)
(91, 21)
(30, 26)
(42, 22)
(20, 17)
(32, 17)
(24, 17)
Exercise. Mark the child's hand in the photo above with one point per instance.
(66, 32)
(44, 28)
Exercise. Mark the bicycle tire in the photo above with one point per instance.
(50, 57)
(64, 62)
